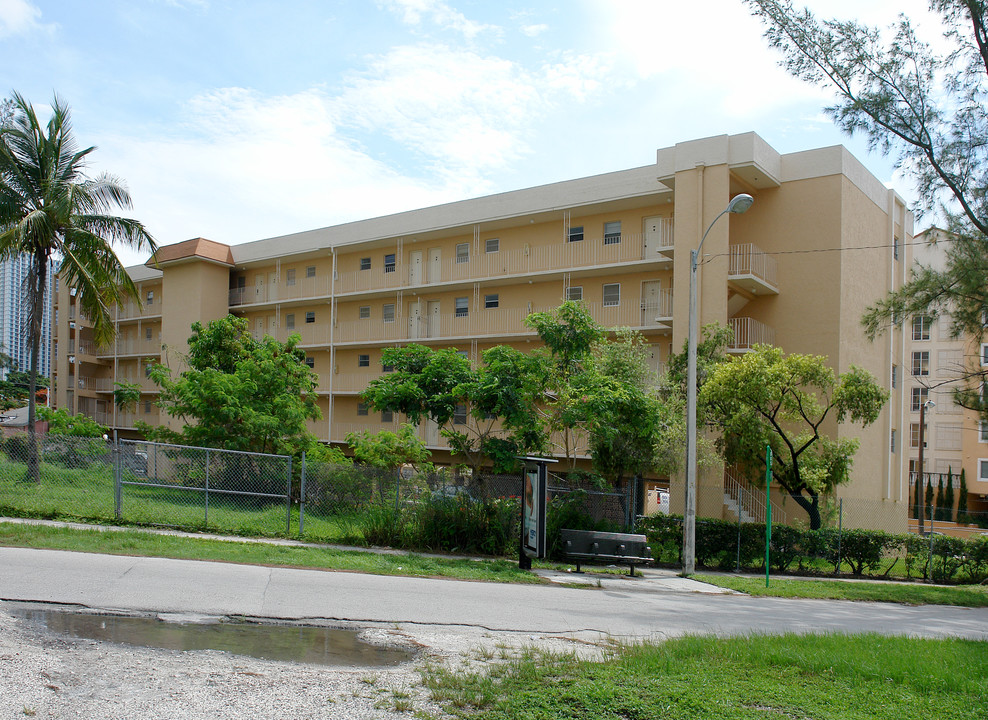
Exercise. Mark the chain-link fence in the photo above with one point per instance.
(203, 487)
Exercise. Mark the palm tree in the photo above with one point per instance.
(50, 209)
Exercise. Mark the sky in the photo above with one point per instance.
(238, 120)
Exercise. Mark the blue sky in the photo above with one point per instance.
(237, 120)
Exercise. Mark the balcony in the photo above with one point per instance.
(127, 419)
(132, 346)
(749, 332)
(657, 313)
(300, 289)
(94, 383)
(132, 311)
(559, 256)
(752, 270)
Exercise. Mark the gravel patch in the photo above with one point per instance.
(45, 675)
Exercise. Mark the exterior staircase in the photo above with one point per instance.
(746, 504)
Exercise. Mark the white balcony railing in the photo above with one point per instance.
(130, 310)
(749, 260)
(749, 332)
(315, 287)
(132, 346)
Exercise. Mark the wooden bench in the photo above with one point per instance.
(592, 545)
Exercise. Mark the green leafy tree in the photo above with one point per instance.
(126, 395)
(49, 208)
(939, 513)
(948, 496)
(767, 397)
(930, 110)
(60, 422)
(929, 501)
(917, 497)
(14, 389)
(962, 514)
(388, 450)
(487, 414)
(569, 334)
(239, 393)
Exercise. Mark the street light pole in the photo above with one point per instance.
(921, 510)
(739, 204)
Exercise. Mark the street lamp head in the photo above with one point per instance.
(740, 203)
(929, 404)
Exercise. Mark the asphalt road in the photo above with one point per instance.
(634, 610)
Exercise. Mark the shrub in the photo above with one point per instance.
(460, 523)
(865, 549)
(947, 557)
(384, 525)
(786, 546)
(665, 537)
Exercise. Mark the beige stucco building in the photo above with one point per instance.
(822, 241)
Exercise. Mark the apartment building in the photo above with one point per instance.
(933, 365)
(822, 241)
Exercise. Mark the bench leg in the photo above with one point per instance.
(631, 569)
(578, 567)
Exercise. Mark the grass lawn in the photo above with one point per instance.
(823, 677)
(134, 542)
(909, 594)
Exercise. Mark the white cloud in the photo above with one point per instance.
(18, 17)
(534, 30)
(415, 12)
(466, 112)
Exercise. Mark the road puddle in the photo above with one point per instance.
(301, 644)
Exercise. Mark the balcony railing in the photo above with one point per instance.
(521, 261)
(132, 346)
(126, 419)
(749, 332)
(658, 311)
(280, 292)
(754, 269)
(131, 310)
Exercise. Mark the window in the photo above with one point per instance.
(919, 396)
(574, 292)
(310, 317)
(387, 368)
(921, 363)
(290, 321)
(612, 233)
(460, 415)
(311, 362)
(147, 334)
(389, 263)
(892, 442)
(983, 432)
(363, 361)
(921, 327)
(984, 354)
(490, 301)
(914, 436)
(387, 416)
(310, 271)
(463, 354)
(492, 245)
(612, 294)
(147, 369)
(895, 375)
(362, 409)
(388, 312)
(576, 233)
(462, 307)
(364, 312)
(147, 407)
(462, 253)
(290, 276)
(983, 470)
(895, 248)
(365, 263)
(150, 297)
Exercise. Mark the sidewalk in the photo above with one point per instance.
(646, 580)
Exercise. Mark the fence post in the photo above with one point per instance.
(840, 535)
(117, 479)
(929, 559)
(206, 514)
(288, 500)
(301, 499)
(397, 488)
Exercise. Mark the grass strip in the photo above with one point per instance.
(907, 594)
(824, 677)
(134, 542)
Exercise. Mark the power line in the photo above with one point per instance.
(706, 258)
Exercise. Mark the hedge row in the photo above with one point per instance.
(861, 552)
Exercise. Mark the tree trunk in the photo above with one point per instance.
(811, 505)
(36, 304)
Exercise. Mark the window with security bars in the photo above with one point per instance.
(463, 253)
(921, 363)
(390, 263)
(388, 312)
(462, 307)
(612, 233)
(612, 294)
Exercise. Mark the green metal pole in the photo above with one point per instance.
(768, 508)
